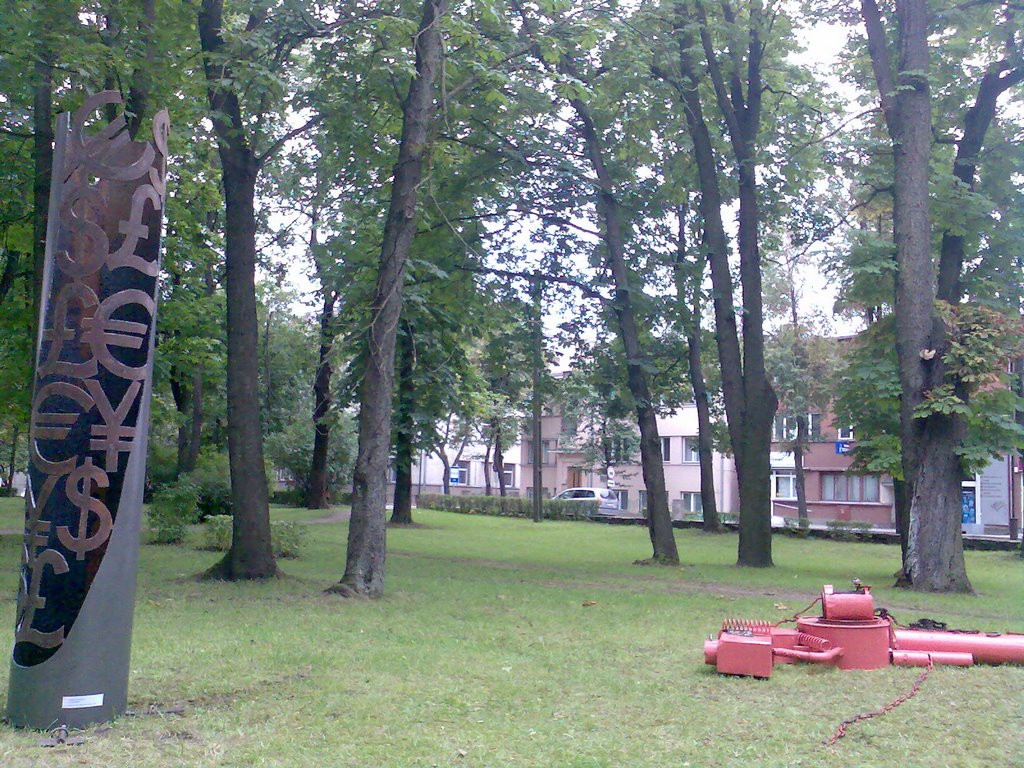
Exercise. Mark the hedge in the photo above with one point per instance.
(508, 506)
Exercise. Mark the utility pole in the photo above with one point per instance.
(538, 341)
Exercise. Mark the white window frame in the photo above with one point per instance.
(666, 450)
(693, 503)
(781, 474)
(461, 468)
(691, 450)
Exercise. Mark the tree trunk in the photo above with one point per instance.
(446, 480)
(405, 432)
(316, 496)
(487, 469)
(536, 398)
(191, 458)
(901, 508)
(934, 559)
(364, 566)
(180, 397)
(798, 463)
(15, 433)
(250, 556)
(499, 461)
(691, 314)
(659, 520)
(750, 402)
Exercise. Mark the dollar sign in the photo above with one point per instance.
(80, 495)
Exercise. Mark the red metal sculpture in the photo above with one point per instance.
(850, 634)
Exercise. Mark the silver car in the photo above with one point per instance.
(608, 501)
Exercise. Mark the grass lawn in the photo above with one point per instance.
(482, 653)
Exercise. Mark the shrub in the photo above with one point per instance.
(796, 527)
(287, 538)
(217, 533)
(212, 481)
(509, 506)
(847, 530)
(172, 509)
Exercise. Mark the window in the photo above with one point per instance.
(459, 474)
(784, 484)
(570, 425)
(785, 428)
(691, 454)
(837, 486)
(623, 500)
(547, 448)
(666, 449)
(642, 500)
(846, 433)
(620, 450)
(509, 471)
(692, 501)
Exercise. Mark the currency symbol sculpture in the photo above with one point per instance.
(90, 416)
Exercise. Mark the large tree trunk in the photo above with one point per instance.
(250, 556)
(931, 469)
(316, 497)
(405, 431)
(659, 520)
(364, 566)
(688, 295)
(750, 402)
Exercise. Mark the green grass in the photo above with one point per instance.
(482, 654)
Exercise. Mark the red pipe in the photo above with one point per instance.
(988, 649)
(924, 658)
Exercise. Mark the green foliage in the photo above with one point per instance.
(172, 509)
(212, 480)
(291, 449)
(847, 530)
(216, 533)
(287, 537)
(508, 506)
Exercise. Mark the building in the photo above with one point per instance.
(466, 475)
(565, 465)
(991, 499)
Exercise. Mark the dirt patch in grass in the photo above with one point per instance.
(337, 516)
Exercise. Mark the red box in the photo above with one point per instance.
(743, 654)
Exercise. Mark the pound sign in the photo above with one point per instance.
(80, 494)
(30, 601)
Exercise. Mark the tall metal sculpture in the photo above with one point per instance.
(90, 417)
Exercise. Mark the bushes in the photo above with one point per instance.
(172, 509)
(847, 530)
(217, 533)
(508, 506)
(212, 481)
(286, 538)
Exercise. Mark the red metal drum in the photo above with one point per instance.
(865, 644)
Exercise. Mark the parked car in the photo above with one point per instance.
(608, 501)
